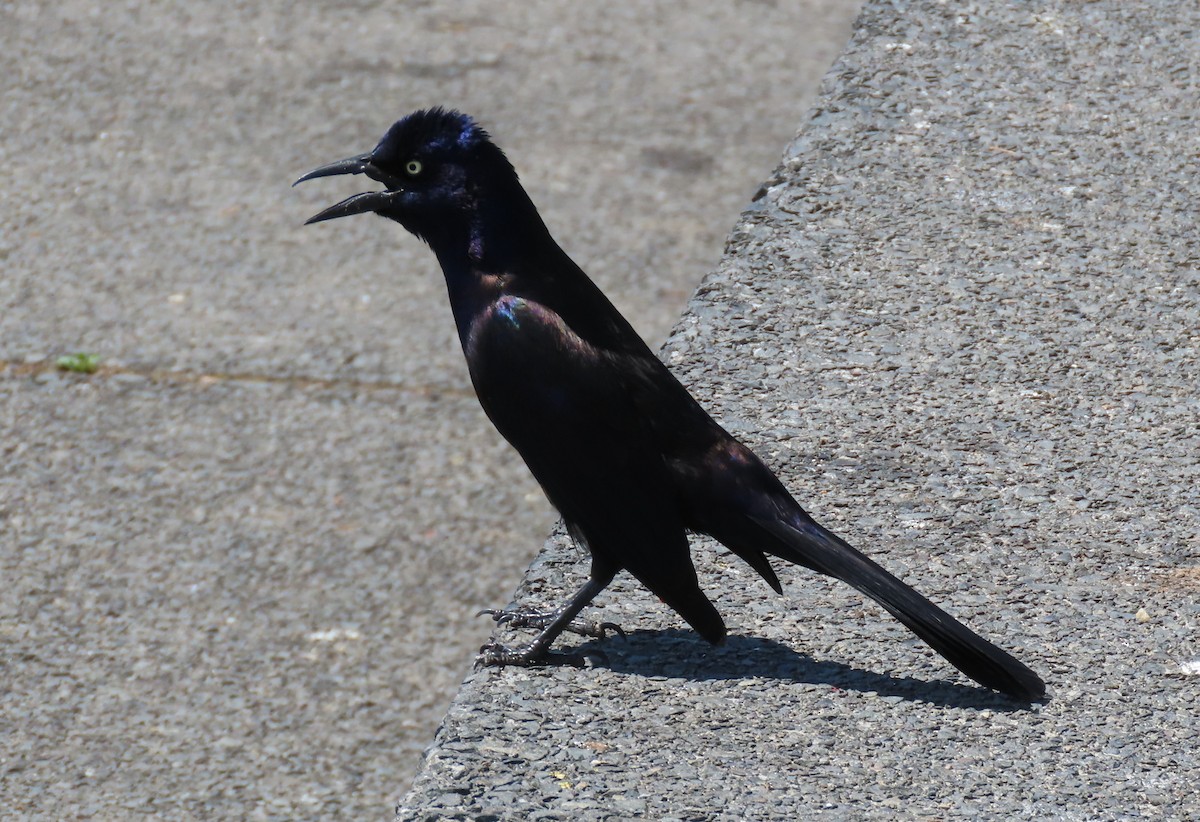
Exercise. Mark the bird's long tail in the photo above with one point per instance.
(804, 542)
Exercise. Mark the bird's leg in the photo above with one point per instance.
(552, 624)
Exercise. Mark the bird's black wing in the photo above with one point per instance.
(568, 408)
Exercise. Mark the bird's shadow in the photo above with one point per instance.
(682, 654)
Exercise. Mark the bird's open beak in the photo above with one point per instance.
(360, 203)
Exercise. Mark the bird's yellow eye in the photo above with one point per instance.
(413, 167)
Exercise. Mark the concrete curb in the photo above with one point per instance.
(961, 320)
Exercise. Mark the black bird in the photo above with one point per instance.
(620, 447)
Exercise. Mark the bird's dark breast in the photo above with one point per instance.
(520, 358)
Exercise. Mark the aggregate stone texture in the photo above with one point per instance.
(240, 564)
(962, 320)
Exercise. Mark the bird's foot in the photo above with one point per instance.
(521, 618)
(493, 654)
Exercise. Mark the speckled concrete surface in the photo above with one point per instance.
(963, 322)
(241, 563)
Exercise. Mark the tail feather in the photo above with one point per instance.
(807, 543)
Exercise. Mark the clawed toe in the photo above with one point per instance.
(520, 618)
(493, 654)
(601, 627)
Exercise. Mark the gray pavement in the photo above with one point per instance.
(964, 325)
(240, 563)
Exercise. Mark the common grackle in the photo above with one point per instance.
(620, 447)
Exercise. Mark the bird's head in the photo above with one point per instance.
(439, 169)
